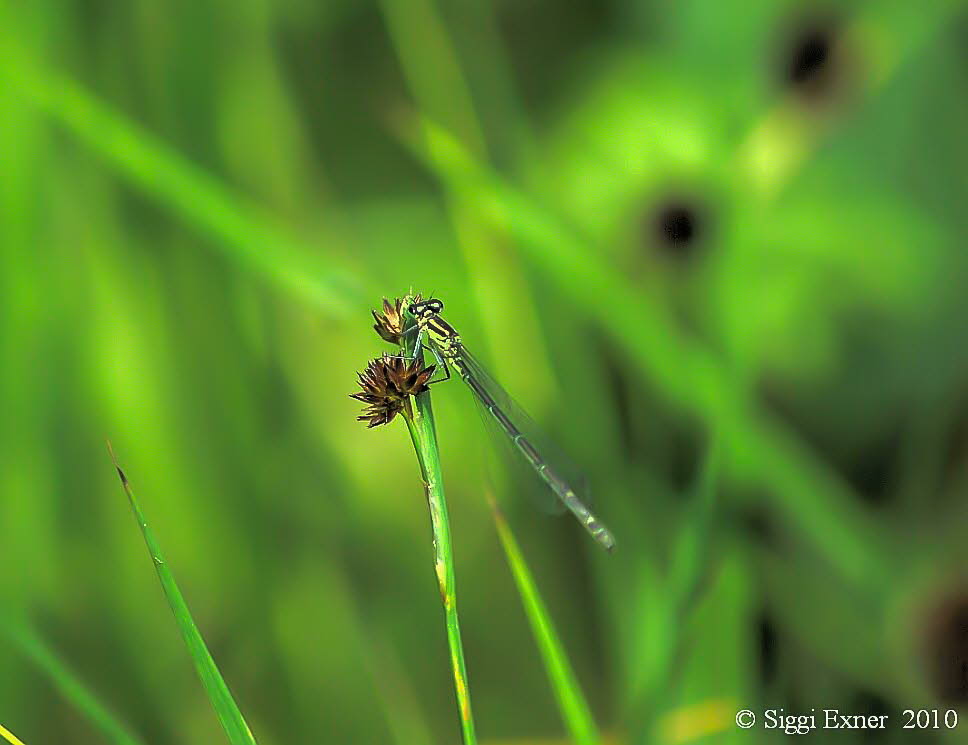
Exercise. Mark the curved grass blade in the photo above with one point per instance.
(571, 701)
(75, 691)
(218, 692)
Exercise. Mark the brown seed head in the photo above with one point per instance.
(386, 383)
(389, 323)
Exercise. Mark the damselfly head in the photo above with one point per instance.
(426, 308)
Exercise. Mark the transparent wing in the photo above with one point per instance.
(564, 481)
(513, 465)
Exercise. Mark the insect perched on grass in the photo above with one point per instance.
(444, 343)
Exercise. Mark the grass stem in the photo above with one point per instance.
(420, 422)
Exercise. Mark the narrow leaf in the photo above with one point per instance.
(691, 551)
(218, 692)
(571, 700)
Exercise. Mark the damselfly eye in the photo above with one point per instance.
(426, 308)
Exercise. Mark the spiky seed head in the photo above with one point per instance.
(385, 385)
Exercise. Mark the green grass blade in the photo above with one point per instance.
(432, 67)
(73, 689)
(674, 606)
(571, 701)
(691, 554)
(252, 240)
(424, 436)
(218, 692)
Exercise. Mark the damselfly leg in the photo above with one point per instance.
(418, 347)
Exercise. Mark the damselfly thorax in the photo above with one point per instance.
(445, 341)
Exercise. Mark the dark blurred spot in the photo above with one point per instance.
(769, 663)
(811, 62)
(872, 470)
(758, 525)
(809, 56)
(956, 450)
(946, 648)
(678, 226)
(867, 703)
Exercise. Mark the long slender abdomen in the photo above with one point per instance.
(564, 492)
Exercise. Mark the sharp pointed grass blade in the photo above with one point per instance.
(69, 685)
(218, 692)
(571, 700)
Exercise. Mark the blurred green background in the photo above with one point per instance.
(700, 239)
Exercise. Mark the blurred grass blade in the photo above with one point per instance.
(689, 576)
(75, 691)
(199, 198)
(571, 701)
(10, 736)
(432, 66)
(690, 559)
(218, 692)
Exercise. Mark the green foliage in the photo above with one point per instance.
(657, 230)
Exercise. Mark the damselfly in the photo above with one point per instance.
(444, 343)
